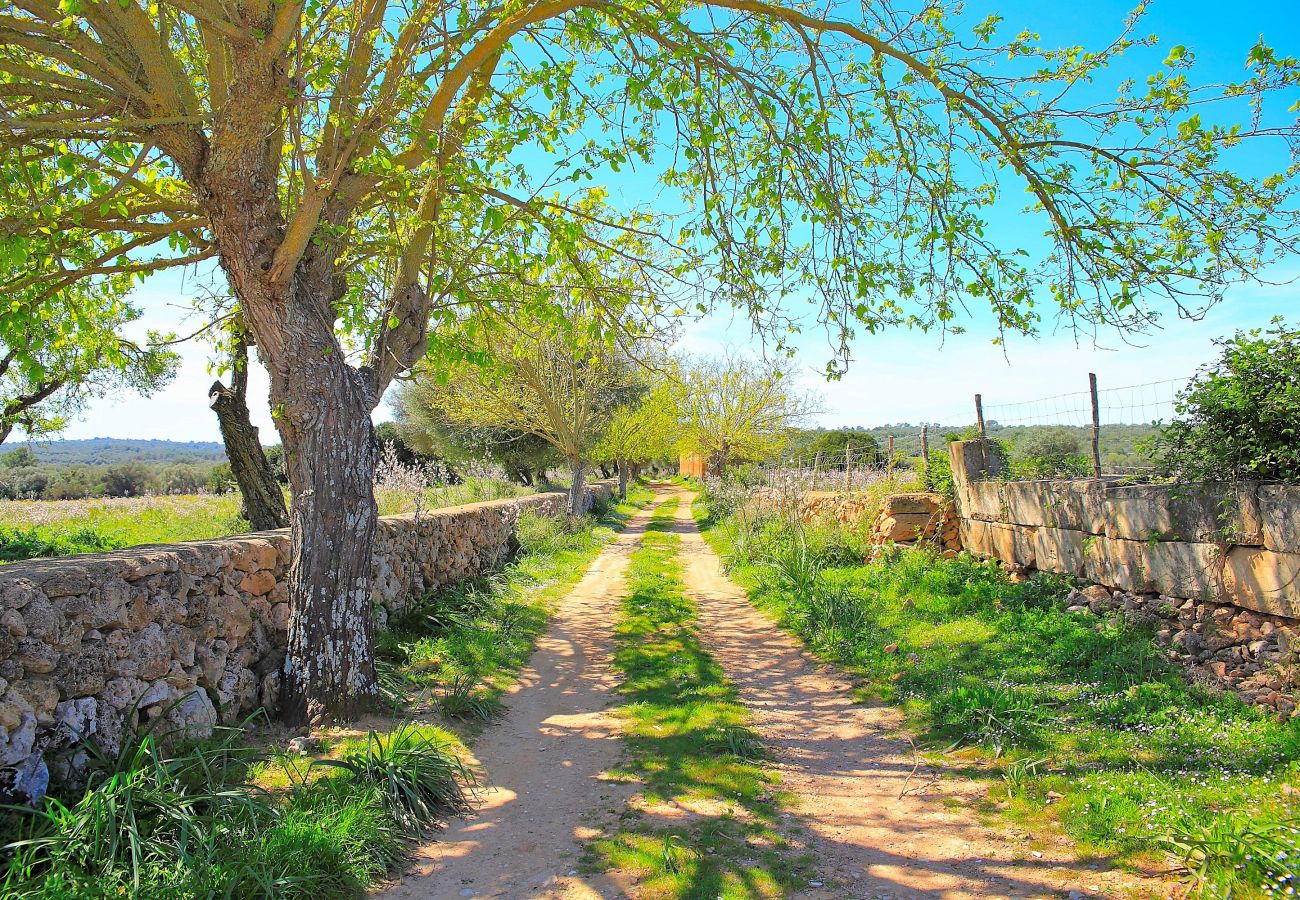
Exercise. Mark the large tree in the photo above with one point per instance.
(355, 166)
(735, 409)
(548, 379)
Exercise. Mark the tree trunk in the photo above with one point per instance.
(330, 457)
(263, 503)
(577, 495)
(622, 479)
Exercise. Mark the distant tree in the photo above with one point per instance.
(831, 444)
(549, 380)
(736, 409)
(1240, 416)
(648, 429)
(1049, 453)
(181, 478)
(20, 458)
(129, 479)
(427, 431)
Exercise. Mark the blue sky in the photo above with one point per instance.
(897, 376)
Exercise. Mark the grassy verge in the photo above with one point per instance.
(41, 528)
(1072, 719)
(236, 817)
(705, 822)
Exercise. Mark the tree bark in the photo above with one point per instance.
(577, 495)
(623, 474)
(330, 458)
(262, 500)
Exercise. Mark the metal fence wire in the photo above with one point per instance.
(1109, 419)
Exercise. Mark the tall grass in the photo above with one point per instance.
(1085, 717)
(184, 822)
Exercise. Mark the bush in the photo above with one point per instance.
(1049, 453)
(1240, 416)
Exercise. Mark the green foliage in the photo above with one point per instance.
(30, 543)
(831, 444)
(739, 410)
(1240, 416)
(1054, 452)
(417, 771)
(1086, 708)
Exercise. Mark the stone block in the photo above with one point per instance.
(1262, 580)
(1190, 570)
(1279, 506)
(1029, 502)
(919, 503)
(1009, 543)
(1210, 513)
(258, 583)
(984, 501)
(1117, 564)
(1059, 550)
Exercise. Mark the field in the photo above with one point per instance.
(35, 528)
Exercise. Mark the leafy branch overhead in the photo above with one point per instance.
(862, 162)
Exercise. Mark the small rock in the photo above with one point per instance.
(303, 744)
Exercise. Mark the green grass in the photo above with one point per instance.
(31, 528)
(1069, 717)
(690, 747)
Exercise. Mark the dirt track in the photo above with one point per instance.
(879, 824)
(543, 759)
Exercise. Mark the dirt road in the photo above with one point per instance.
(882, 826)
(879, 824)
(543, 759)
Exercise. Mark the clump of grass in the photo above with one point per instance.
(416, 771)
(1087, 720)
(689, 742)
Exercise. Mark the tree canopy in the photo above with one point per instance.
(365, 170)
(736, 409)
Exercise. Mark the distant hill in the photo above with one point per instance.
(110, 451)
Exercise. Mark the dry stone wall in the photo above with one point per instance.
(183, 636)
(1237, 544)
(1214, 567)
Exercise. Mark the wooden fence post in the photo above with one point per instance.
(1096, 426)
(848, 467)
(925, 456)
(979, 416)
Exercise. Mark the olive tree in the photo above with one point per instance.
(552, 382)
(356, 166)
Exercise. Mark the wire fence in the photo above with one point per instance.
(1095, 431)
